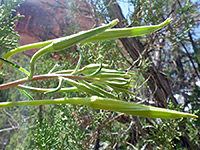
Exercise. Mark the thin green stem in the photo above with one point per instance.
(26, 47)
(15, 66)
(83, 101)
(35, 57)
(79, 61)
(27, 94)
(58, 88)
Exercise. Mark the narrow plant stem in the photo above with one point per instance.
(41, 77)
(82, 101)
(35, 56)
(26, 47)
(191, 60)
(15, 66)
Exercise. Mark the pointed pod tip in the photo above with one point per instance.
(194, 116)
(188, 115)
(163, 24)
(114, 22)
(185, 115)
(169, 20)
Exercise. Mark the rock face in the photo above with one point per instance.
(49, 19)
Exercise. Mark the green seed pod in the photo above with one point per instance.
(127, 32)
(105, 70)
(87, 70)
(136, 109)
(106, 35)
(108, 104)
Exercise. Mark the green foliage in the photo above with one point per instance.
(69, 133)
(169, 134)
(195, 103)
(197, 54)
(16, 117)
(164, 134)
(107, 52)
(60, 130)
(8, 38)
(79, 127)
(76, 127)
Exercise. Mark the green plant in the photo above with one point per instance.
(163, 48)
(167, 134)
(8, 38)
(101, 83)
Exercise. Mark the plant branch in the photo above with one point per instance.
(42, 77)
(190, 58)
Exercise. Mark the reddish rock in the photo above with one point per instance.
(49, 19)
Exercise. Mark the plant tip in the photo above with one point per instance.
(114, 22)
(169, 19)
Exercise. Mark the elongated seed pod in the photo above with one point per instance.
(105, 70)
(106, 35)
(85, 70)
(108, 104)
(127, 32)
(136, 109)
(112, 75)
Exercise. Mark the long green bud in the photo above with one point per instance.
(95, 102)
(106, 35)
(127, 32)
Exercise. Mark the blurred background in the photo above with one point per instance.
(165, 64)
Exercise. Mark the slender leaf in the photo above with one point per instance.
(15, 66)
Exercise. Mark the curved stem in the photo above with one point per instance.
(26, 47)
(35, 57)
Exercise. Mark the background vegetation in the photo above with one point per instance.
(165, 63)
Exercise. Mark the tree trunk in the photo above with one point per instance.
(158, 82)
